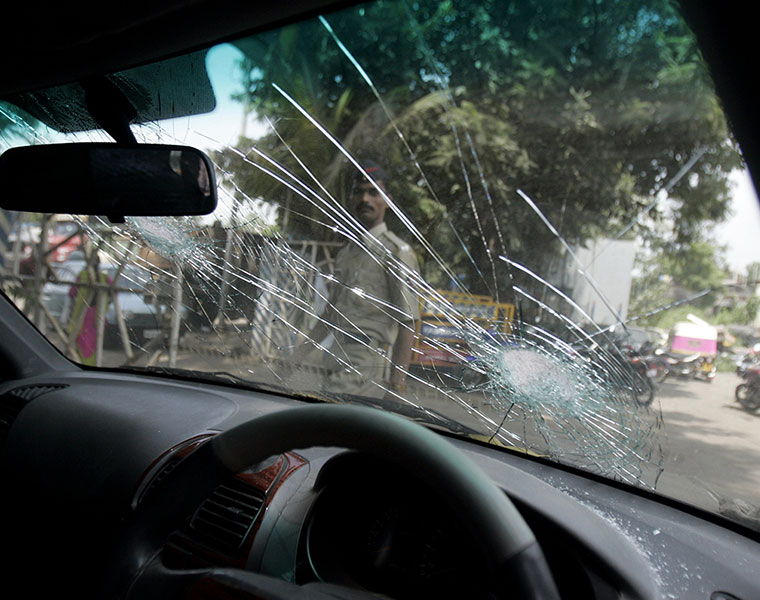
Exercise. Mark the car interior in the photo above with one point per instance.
(181, 481)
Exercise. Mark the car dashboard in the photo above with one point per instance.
(83, 451)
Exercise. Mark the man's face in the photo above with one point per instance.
(369, 206)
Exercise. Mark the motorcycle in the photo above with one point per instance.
(643, 375)
(748, 360)
(658, 368)
(643, 381)
(692, 365)
(748, 393)
(625, 365)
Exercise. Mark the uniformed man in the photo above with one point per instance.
(372, 308)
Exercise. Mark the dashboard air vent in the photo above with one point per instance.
(155, 477)
(30, 392)
(227, 515)
(162, 474)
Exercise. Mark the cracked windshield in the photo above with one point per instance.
(524, 222)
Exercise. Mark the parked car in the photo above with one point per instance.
(56, 294)
(65, 238)
(145, 315)
(142, 315)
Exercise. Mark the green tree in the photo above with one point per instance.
(693, 275)
(590, 108)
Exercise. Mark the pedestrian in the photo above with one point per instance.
(90, 302)
(372, 307)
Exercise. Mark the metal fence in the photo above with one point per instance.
(47, 268)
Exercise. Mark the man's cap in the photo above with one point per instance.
(373, 169)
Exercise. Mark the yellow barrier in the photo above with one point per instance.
(445, 316)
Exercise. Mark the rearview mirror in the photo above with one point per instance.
(113, 180)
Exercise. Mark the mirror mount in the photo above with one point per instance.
(110, 109)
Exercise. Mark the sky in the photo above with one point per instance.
(741, 232)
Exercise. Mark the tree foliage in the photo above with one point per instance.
(695, 273)
(590, 107)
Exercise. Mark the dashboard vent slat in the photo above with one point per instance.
(30, 392)
(227, 515)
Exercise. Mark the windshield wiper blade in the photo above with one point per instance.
(210, 376)
(424, 416)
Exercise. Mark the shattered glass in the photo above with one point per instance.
(532, 161)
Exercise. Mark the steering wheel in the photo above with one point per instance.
(515, 567)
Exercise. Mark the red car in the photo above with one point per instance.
(63, 238)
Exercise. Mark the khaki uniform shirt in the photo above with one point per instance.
(372, 294)
(370, 298)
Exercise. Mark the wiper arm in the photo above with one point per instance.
(210, 376)
(425, 416)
